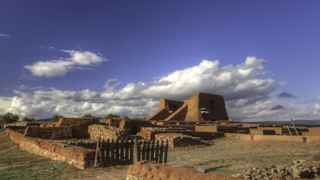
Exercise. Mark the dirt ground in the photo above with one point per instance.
(231, 156)
(226, 155)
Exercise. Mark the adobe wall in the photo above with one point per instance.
(160, 115)
(170, 105)
(143, 171)
(275, 138)
(101, 132)
(214, 104)
(206, 128)
(179, 114)
(193, 114)
(166, 107)
(49, 133)
(76, 156)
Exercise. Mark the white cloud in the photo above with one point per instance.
(2, 35)
(246, 87)
(59, 67)
(4, 104)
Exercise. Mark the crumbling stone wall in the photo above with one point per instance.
(49, 133)
(79, 126)
(149, 133)
(76, 156)
(101, 132)
(143, 171)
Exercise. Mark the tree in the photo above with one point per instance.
(56, 118)
(112, 116)
(9, 118)
(88, 116)
(28, 119)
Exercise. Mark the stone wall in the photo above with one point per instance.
(177, 139)
(49, 133)
(206, 128)
(76, 156)
(101, 132)
(142, 171)
(148, 133)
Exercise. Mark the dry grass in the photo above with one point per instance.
(230, 156)
(20, 165)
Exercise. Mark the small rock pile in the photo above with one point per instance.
(297, 170)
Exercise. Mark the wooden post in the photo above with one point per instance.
(148, 151)
(96, 157)
(143, 151)
(161, 152)
(138, 151)
(157, 154)
(132, 152)
(126, 154)
(111, 152)
(26, 131)
(107, 150)
(166, 152)
(135, 151)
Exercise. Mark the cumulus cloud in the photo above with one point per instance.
(61, 66)
(246, 87)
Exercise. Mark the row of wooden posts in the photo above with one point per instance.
(118, 152)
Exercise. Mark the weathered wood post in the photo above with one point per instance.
(96, 157)
(135, 150)
(166, 149)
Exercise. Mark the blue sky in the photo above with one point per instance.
(143, 41)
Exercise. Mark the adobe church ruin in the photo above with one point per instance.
(200, 107)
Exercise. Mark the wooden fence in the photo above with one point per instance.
(127, 152)
(154, 151)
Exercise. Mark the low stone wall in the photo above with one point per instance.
(276, 138)
(206, 128)
(75, 156)
(101, 132)
(313, 132)
(142, 171)
(149, 133)
(177, 139)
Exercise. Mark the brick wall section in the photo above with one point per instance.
(76, 156)
(49, 133)
(101, 132)
(141, 171)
